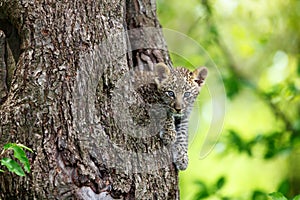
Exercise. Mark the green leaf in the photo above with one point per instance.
(13, 166)
(19, 154)
(237, 141)
(11, 145)
(232, 85)
(220, 183)
(201, 195)
(1, 170)
(284, 187)
(8, 146)
(202, 190)
(24, 147)
(277, 196)
(297, 197)
(259, 195)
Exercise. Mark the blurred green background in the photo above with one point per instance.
(254, 44)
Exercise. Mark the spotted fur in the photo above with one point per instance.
(178, 89)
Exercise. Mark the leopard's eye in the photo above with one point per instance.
(170, 93)
(187, 94)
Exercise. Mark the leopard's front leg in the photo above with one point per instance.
(180, 147)
(168, 134)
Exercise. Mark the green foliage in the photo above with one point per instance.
(297, 197)
(256, 47)
(206, 191)
(232, 86)
(277, 196)
(284, 187)
(19, 154)
(275, 143)
(259, 195)
(280, 196)
(12, 166)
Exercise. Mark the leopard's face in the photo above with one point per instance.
(179, 90)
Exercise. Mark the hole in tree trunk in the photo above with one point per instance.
(12, 37)
(9, 55)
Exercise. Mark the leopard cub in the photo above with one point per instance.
(178, 89)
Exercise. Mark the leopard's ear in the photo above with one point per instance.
(199, 75)
(162, 73)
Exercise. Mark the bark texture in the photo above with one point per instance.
(64, 69)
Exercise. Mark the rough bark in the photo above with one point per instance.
(65, 93)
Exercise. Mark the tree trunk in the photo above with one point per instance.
(65, 93)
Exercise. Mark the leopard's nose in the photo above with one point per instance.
(178, 110)
(178, 106)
